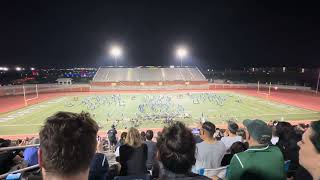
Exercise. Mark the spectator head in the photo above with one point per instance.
(149, 135)
(309, 153)
(68, 143)
(258, 131)
(176, 148)
(143, 135)
(133, 138)
(241, 132)
(237, 147)
(123, 135)
(207, 130)
(283, 128)
(4, 142)
(232, 127)
(113, 126)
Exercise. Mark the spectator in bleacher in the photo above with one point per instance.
(133, 155)
(176, 149)
(260, 161)
(218, 134)
(8, 159)
(209, 152)
(241, 132)
(121, 142)
(30, 154)
(235, 148)
(143, 136)
(274, 139)
(287, 143)
(309, 154)
(152, 149)
(67, 146)
(232, 132)
(99, 166)
(122, 139)
(301, 128)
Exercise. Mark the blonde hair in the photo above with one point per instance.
(133, 138)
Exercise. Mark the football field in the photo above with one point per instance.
(153, 110)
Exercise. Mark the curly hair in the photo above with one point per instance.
(68, 143)
(176, 147)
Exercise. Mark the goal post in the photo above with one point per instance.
(30, 92)
(264, 89)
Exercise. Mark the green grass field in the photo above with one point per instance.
(123, 110)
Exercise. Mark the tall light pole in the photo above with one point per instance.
(181, 53)
(115, 52)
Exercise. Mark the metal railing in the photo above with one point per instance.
(2, 176)
(18, 147)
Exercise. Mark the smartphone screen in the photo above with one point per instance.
(195, 131)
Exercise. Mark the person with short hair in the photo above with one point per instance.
(152, 149)
(260, 160)
(309, 153)
(67, 145)
(133, 154)
(210, 151)
(176, 149)
(232, 132)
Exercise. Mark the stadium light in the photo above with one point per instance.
(32, 69)
(6, 69)
(18, 68)
(181, 53)
(115, 52)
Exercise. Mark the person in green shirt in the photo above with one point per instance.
(260, 161)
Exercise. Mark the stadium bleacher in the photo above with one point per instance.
(111, 74)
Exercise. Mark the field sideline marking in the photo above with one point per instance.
(29, 110)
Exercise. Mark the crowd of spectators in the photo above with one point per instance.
(70, 149)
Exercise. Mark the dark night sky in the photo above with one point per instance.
(219, 33)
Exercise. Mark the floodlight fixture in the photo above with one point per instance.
(115, 52)
(181, 53)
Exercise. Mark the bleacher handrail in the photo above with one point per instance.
(18, 147)
(2, 176)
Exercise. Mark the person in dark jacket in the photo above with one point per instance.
(152, 149)
(288, 145)
(133, 155)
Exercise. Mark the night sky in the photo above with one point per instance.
(218, 33)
